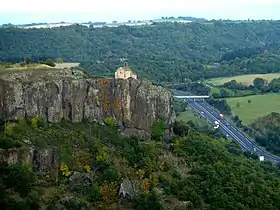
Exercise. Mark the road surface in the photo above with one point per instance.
(229, 130)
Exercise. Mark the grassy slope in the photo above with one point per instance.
(246, 79)
(261, 105)
(189, 115)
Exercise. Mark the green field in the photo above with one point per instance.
(260, 105)
(245, 79)
(189, 115)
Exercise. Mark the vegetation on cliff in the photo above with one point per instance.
(266, 132)
(163, 52)
(93, 161)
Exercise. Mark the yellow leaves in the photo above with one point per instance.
(145, 186)
(141, 173)
(108, 193)
(102, 155)
(154, 179)
(110, 121)
(8, 129)
(81, 160)
(87, 168)
(34, 122)
(177, 142)
(65, 170)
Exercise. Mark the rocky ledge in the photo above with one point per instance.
(71, 94)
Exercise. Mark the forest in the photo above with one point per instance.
(192, 171)
(170, 52)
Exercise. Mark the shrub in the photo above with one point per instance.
(49, 62)
(157, 130)
(59, 60)
(8, 129)
(110, 121)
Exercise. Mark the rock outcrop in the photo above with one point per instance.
(71, 94)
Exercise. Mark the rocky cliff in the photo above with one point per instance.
(71, 94)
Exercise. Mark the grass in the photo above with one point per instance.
(245, 79)
(260, 106)
(17, 66)
(189, 115)
(66, 65)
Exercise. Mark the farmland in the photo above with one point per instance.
(250, 108)
(245, 79)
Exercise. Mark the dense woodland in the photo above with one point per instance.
(266, 132)
(163, 52)
(196, 172)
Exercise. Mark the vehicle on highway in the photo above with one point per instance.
(221, 116)
(216, 126)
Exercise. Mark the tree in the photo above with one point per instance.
(59, 60)
(224, 93)
(259, 83)
(238, 104)
(249, 101)
(157, 130)
(49, 62)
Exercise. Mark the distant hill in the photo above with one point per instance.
(163, 51)
(194, 19)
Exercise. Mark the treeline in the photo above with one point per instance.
(169, 52)
(237, 89)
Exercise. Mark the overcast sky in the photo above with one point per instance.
(28, 11)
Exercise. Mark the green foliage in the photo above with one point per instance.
(49, 62)
(150, 202)
(221, 105)
(110, 121)
(266, 132)
(259, 83)
(8, 129)
(94, 193)
(34, 122)
(157, 130)
(17, 187)
(59, 60)
(181, 129)
(205, 172)
(197, 50)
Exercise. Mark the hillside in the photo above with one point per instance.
(86, 165)
(266, 132)
(162, 52)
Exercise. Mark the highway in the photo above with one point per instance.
(230, 131)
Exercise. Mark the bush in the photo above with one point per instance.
(110, 121)
(59, 60)
(49, 62)
(157, 130)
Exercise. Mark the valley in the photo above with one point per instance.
(76, 133)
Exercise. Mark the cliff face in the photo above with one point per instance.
(57, 94)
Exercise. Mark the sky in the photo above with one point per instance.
(34, 11)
